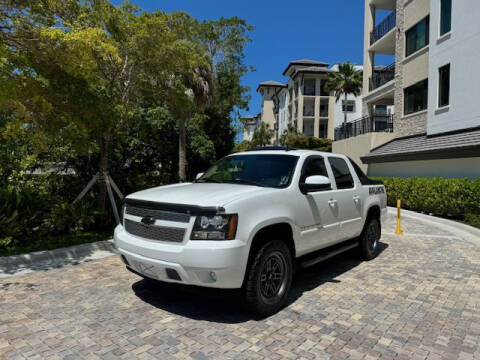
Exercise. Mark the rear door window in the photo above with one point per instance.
(341, 172)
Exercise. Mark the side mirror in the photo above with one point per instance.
(315, 183)
(199, 175)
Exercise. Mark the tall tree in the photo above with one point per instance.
(79, 70)
(84, 72)
(346, 81)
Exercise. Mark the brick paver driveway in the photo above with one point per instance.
(419, 299)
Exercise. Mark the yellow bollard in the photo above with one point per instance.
(399, 226)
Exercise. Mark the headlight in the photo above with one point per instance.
(216, 227)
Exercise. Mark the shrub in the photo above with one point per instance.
(38, 210)
(453, 198)
(298, 141)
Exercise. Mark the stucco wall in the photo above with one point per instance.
(460, 49)
(415, 10)
(415, 68)
(358, 146)
(450, 168)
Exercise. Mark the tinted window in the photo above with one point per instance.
(417, 37)
(262, 170)
(445, 16)
(416, 97)
(364, 179)
(315, 166)
(342, 175)
(444, 85)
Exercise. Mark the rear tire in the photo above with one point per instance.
(370, 238)
(269, 279)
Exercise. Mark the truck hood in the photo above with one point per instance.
(201, 194)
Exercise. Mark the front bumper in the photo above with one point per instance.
(218, 264)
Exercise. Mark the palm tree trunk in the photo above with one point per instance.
(182, 150)
(345, 117)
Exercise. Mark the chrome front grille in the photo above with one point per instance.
(153, 232)
(157, 214)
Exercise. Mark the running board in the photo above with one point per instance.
(326, 254)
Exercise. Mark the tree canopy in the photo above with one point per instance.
(86, 76)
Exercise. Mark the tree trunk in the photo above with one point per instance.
(182, 151)
(345, 118)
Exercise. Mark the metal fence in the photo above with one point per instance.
(382, 76)
(383, 28)
(367, 124)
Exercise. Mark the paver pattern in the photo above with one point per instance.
(420, 299)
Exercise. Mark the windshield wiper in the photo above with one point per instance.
(245, 182)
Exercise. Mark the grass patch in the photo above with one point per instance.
(56, 242)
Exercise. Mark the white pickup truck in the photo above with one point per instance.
(250, 220)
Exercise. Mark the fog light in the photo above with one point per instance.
(213, 276)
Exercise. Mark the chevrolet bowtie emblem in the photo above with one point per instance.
(148, 220)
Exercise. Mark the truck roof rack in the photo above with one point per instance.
(273, 147)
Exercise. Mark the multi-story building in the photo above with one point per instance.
(250, 124)
(309, 106)
(433, 84)
(270, 91)
(303, 101)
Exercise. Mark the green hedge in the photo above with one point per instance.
(452, 198)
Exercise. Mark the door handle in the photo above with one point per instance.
(332, 202)
(356, 198)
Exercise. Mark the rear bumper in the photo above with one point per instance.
(218, 264)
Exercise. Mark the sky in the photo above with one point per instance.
(285, 30)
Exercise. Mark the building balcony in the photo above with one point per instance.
(384, 4)
(381, 76)
(368, 124)
(383, 28)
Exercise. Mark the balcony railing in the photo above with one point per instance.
(383, 28)
(365, 125)
(382, 76)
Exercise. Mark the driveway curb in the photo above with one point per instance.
(465, 231)
(73, 253)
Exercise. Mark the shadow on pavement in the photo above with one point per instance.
(225, 306)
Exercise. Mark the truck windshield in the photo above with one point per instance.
(259, 170)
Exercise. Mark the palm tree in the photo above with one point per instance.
(346, 81)
(199, 92)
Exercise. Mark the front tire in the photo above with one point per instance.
(269, 279)
(370, 238)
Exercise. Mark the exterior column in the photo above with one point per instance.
(316, 112)
(300, 107)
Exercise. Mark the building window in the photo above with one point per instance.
(444, 86)
(309, 87)
(323, 92)
(380, 109)
(323, 129)
(323, 108)
(417, 36)
(416, 97)
(445, 16)
(348, 106)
